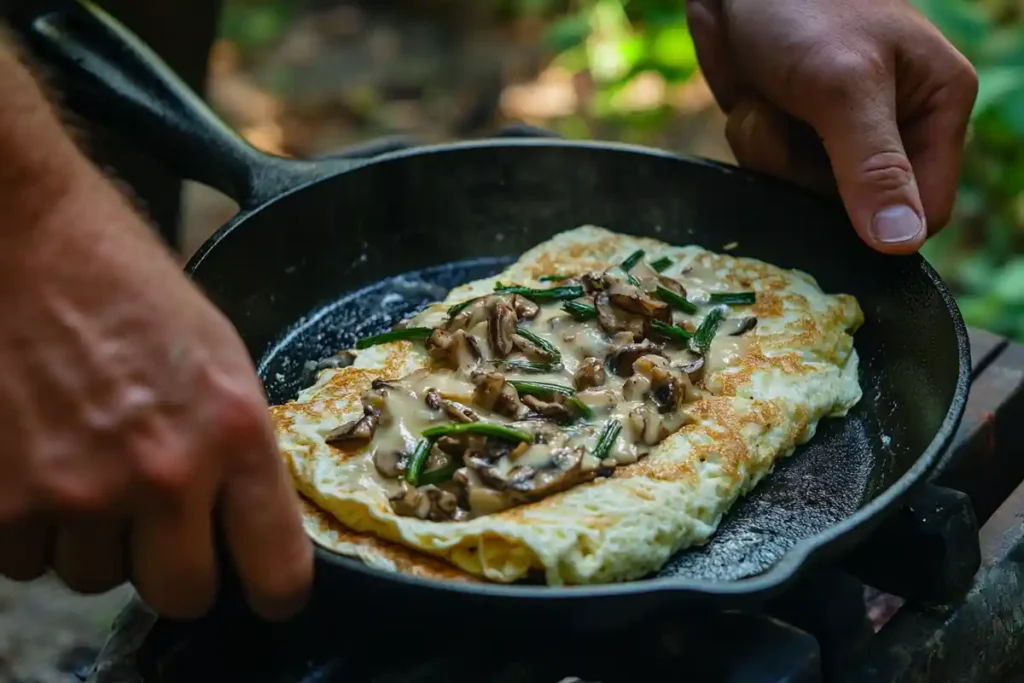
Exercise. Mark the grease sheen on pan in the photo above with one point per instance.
(798, 366)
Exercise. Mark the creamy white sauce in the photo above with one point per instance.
(626, 400)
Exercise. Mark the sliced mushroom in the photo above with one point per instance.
(591, 373)
(440, 459)
(592, 282)
(524, 308)
(623, 357)
(549, 409)
(671, 285)
(636, 387)
(433, 399)
(459, 413)
(456, 349)
(425, 502)
(614, 320)
(390, 463)
(481, 499)
(470, 316)
(734, 327)
(647, 277)
(563, 470)
(652, 427)
(670, 389)
(501, 326)
(646, 421)
(494, 393)
(356, 430)
(342, 359)
(375, 398)
(636, 300)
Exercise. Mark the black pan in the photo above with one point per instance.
(325, 252)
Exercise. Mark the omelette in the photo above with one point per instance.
(577, 419)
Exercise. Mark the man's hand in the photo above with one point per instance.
(867, 86)
(133, 422)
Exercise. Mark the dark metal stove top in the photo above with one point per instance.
(952, 621)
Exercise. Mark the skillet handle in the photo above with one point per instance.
(120, 82)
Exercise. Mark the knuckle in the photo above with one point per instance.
(886, 171)
(965, 79)
(242, 425)
(166, 472)
(80, 495)
(835, 72)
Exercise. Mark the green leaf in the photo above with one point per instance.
(568, 33)
(981, 311)
(673, 47)
(1012, 110)
(965, 24)
(996, 85)
(1008, 285)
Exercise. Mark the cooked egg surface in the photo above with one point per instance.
(761, 394)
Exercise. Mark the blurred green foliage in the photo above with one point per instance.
(616, 43)
(981, 252)
(253, 24)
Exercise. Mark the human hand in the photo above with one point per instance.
(868, 87)
(133, 421)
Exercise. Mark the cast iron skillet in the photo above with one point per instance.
(324, 252)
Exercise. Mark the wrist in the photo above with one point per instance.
(39, 161)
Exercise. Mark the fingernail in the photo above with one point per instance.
(896, 224)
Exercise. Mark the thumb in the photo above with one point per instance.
(767, 139)
(873, 173)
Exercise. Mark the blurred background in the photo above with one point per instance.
(308, 77)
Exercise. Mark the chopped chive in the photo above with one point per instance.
(671, 331)
(529, 366)
(484, 428)
(662, 264)
(734, 298)
(416, 463)
(544, 344)
(674, 300)
(632, 260)
(540, 389)
(579, 311)
(459, 307)
(553, 294)
(555, 278)
(580, 407)
(395, 335)
(632, 280)
(607, 439)
(440, 475)
(705, 334)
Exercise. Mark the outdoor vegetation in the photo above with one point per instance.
(613, 69)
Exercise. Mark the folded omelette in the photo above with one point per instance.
(577, 419)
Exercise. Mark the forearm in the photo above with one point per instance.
(39, 161)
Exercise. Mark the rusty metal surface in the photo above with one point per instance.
(935, 537)
(978, 639)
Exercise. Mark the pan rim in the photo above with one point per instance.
(796, 559)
